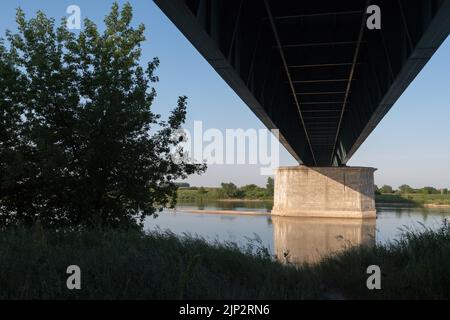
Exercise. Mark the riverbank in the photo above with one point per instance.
(133, 265)
(413, 200)
(396, 200)
(215, 194)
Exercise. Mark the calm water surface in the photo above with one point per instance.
(295, 239)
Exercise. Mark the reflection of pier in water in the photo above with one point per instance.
(310, 239)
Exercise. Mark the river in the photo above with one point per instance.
(296, 240)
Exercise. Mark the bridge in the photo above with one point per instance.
(322, 72)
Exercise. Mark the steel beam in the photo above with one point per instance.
(283, 58)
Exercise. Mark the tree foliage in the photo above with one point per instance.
(386, 189)
(253, 191)
(429, 190)
(75, 140)
(229, 190)
(249, 191)
(404, 188)
(270, 186)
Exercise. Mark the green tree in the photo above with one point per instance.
(76, 147)
(230, 190)
(201, 192)
(270, 186)
(252, 191)
(376, 189)
(404, 188)
(429, 190)
(386, 189)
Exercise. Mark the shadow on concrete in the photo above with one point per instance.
(354, 178)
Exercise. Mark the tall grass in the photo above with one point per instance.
(133, 265)
(136, 265)
(416, 266)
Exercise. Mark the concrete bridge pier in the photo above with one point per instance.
(332, 192)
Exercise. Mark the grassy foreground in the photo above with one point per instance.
(132, 265)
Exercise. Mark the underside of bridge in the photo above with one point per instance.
(313, 69)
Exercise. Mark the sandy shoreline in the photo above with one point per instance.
(432, 205)
(243, 200)
(261, 213)
(229, 212)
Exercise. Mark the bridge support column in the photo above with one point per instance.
(338, 192)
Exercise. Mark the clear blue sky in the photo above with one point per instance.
(411, 144)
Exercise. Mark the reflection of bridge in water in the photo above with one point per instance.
(300, 240)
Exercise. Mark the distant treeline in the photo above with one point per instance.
(406, 189)
(227, 190)
(407, 195)
(386, 194)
